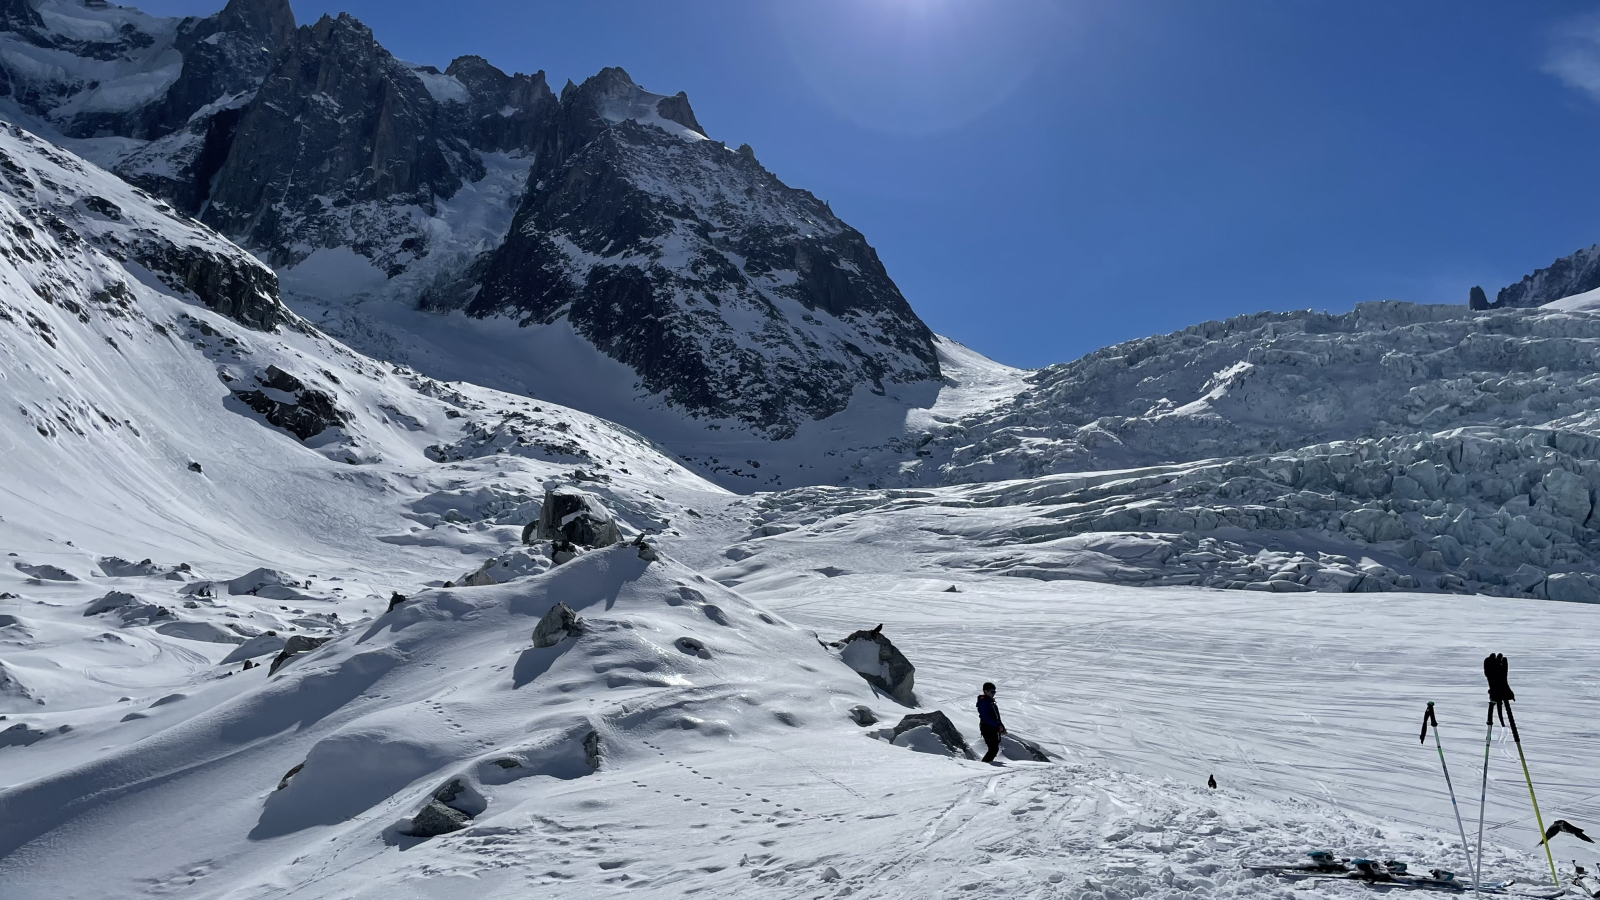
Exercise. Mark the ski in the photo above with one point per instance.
(1385, 875)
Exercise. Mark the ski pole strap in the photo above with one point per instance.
(1427, 719)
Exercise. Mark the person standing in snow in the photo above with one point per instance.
(989, 723)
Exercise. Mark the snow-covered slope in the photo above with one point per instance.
(196, 478)
(142, 425)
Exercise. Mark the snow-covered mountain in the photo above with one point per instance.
(196, 478)
(604, 221)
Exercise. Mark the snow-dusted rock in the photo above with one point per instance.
(129, 609)
(875, 658)
(45, 572)
(437, 818)
(930, 732)
(577, 517)
(293, 647)
(557, 625)
(518, 563)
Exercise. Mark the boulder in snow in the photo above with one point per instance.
(436, 819)
(45, 572)
(518, 563)
(293, 647)
(578, 517)
(556, 626)
(930, 732)
(128, 608)
(1013, 747)
(881, 664)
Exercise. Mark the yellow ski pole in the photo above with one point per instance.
(1495, 668)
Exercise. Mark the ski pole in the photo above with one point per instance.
(1466, 850)
(1536, 816)
(1483, 796)
(1495, 668)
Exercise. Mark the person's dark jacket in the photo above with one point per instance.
(989, 713)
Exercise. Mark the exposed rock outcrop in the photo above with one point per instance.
(556, 626)
(577, 517)
(930, 732)
(288, 403)
(293, 647)
(877, 660)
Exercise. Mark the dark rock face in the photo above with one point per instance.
(940, 725)
(884, 667)
(338, 121)
(576, 517)
(1566, 276)
(1477, 299)
(306, 413)
(296, 645)
(232, 285)
(661, 248)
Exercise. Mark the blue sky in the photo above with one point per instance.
(1044, 177)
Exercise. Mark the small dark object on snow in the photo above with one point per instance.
(395, 600)
(1562, 825)
(861, 715)
(284, 781)
(952, 589)
(248, 665)
(1211, 782)
(296, 645)
(195, 467)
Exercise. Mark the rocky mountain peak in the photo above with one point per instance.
(270, 21)
(1572, 274)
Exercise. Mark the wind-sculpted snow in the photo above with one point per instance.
(1279, 381)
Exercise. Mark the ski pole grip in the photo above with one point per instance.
(1427, 719)
(1495, 669)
